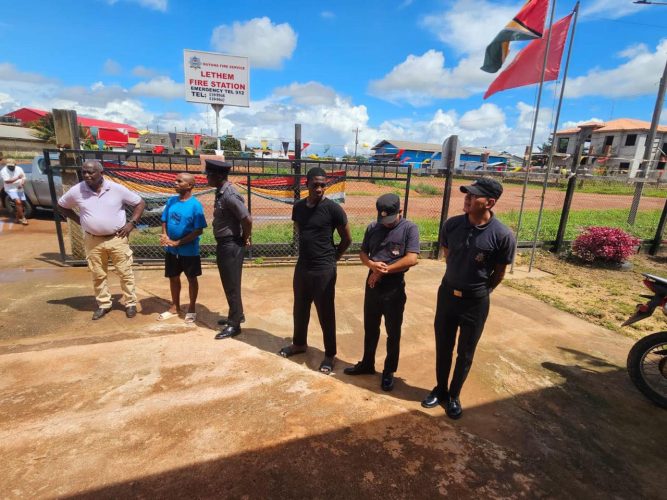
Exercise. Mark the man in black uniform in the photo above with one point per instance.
(232, 227)
(389, 249)
(315, 218)
(478, 248)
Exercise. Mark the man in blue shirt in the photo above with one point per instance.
(182, 224)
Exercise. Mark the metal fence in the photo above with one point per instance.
(152, 176)
(562, 206)
(594, 200)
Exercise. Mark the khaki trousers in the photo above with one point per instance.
(101, 249)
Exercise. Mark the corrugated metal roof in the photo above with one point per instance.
(22, 133)
(436, 148)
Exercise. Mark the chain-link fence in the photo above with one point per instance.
(269, 187)
(595, 200)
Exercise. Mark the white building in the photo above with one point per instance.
(616, 146)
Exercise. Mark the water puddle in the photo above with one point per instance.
(14, 275)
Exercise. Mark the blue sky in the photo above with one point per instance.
(395, 69)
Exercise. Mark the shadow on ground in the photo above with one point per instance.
(568, 442)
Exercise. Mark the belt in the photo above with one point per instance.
(101, 235)
(466, 294)
(225, 239)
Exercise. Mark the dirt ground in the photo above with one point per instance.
(139, 408)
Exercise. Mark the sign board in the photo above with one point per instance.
(213, 78)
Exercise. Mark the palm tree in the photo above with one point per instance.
(45, 129)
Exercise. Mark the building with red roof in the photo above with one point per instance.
(113, 134)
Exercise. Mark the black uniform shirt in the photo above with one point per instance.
(228, 212)
(474, 251)
(383, 244)
(316, 227)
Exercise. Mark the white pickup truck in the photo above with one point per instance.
(38, 195)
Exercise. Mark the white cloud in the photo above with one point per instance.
(640, 75)
(160, 5)
(486, 116)
(420, 79)
(327, 14)
(161, 87)
(267, 45)
(610, 9)
(112, 67)
(144, 72)
(453, 26)
(308, 94)
(9, 73)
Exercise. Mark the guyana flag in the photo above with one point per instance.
(528, 24)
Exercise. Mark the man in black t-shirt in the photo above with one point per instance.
(478, 248)
(389, 249)
(315, 219)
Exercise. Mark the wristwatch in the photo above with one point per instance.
(134, 223)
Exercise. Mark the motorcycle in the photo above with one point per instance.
(647, 360)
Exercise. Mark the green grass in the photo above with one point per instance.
(427, 189)
(645, 225)
(281, 232)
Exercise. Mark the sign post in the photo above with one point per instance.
(216, 79)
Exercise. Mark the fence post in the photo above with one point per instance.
(296, 166)
(450, 156)
(67, 136)
(407, 191)
(249, 208)
(584, 132)
(657, 241)
(54, 204)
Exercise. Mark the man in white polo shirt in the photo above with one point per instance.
(101, 205)
(13, 178)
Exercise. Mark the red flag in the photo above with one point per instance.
(526, 68)
(197, 140)
(305, 145)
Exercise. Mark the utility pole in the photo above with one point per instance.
(650, 139)
(356, 141)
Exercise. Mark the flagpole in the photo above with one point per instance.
(553, 136)
(532, 134)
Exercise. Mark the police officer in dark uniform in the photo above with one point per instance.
(315, 218)
(390, 247)
(232, 227)
(478, 248)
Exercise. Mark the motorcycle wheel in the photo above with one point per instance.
(647, 366)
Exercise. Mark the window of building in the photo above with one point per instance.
(609, 140)
(562, 144)
(191, 142)
(161, 141)
(178, 141)
(631, 139)
(624, 167)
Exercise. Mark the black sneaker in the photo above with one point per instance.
(453, 408)
(387, 381)
(359, 369)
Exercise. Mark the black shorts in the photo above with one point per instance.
(174, 265)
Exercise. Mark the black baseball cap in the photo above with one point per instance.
(388, 206)
(217, 166)
(484, 186)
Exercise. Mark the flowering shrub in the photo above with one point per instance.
(607, 244)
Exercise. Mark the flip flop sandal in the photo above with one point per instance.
(190, 318)
(326, 367)
(289, 351)
(166, 315)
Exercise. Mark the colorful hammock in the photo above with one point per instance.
(161, 184)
